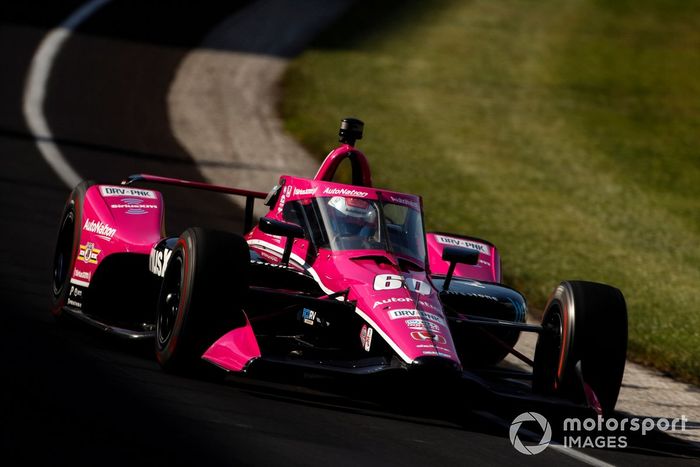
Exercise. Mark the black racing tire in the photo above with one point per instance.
(66, 250)
(201, 297)
(584, 322)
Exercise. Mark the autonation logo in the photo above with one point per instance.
(585, 433)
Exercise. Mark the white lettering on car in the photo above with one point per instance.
(387, 301)
(422, 325)
(366, 337)
(392, 282)
(123, 191)
(413, 313)
(345, 192)
(100, 229)
(464, 243)
(387, 282)
(158, 261)
(307, 192)
(81, 274)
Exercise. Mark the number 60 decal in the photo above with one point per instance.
(392, 281)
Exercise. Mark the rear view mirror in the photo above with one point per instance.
(283, 229)
(454, 255)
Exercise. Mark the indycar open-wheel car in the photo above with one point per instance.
(335, 277)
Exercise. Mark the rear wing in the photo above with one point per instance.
(250, 195)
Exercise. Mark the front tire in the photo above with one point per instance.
(66, 250)
(201, 297)
(583, 322)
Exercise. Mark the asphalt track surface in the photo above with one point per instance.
(72, 396)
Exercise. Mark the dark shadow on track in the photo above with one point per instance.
(459, 407)
(152, 22)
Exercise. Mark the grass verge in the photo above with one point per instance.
(564, 132)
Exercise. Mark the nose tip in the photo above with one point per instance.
(436, 367)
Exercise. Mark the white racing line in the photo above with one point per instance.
(35, 91)
(33, 108)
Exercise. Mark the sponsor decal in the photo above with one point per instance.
(428, 336)
(464, 243)
(267, 256)
(309, 316)
(345, 192)
(434, 350)
(75, 295)
(366, 337)
(134, 206)
(286, 192)
(426, 304)
(404, 201)
(421, 325)
(387, 301)
(100, 229)
(280, 207)
(81, 274)
(272, 265)
(88, 253)
(75, 292)
(306, 192)
(125, 191)
(400, 314)
(158, 261)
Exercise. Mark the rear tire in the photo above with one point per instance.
(201, 297)
(584, 322)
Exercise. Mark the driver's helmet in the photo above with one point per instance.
(353, 216)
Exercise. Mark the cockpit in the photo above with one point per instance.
(348, 223)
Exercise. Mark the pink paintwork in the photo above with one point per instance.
(234, 350)
(392, 290)
(387, 274)
(116, 219)
(487, 269)
(336, 156)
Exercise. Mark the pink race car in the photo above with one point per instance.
(335, 277)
